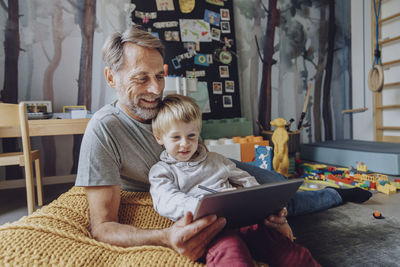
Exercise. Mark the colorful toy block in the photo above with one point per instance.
(225, 147)
(227, 128)
(247, 150)
(386, 189)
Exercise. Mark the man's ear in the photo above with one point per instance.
(159, 141)
(110, 78)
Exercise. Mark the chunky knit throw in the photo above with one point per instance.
(58, 235)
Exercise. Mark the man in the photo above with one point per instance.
(118, 150)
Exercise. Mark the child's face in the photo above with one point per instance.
(181, 140)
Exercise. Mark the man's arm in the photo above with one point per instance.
(186, 236)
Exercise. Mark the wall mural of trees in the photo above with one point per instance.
(299, 45)
(51, 50)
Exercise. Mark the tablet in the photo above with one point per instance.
(250, 205)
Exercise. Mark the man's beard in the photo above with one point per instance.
(142, 112)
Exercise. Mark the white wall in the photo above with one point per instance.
(363, 123)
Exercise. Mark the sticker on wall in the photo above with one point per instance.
(224, 14)
(210, 58)
(201, 59)
(195, 73)
(225, 27)
(186, 6)
(165, 24)
(212, 17)
(227, 101)
(201, 97)
(165, 5)
(195, 30)
(229, 86)
(215, 33)
(216, 2)
(217, 88)
(225, 57)
(186, 55)
(172, 36)
(148, 15)
(155, 34)
(176, 63)
(192, 46)
(224, 71)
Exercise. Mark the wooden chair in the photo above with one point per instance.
(14, 115)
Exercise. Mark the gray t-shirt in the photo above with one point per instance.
(117, 150)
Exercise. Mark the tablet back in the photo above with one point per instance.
(249, 205)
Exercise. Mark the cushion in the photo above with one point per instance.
(58, 235)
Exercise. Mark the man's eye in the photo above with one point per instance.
(192, 136)
(160, 77)
(141, 79)
(175, 137)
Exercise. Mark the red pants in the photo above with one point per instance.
(236, 248)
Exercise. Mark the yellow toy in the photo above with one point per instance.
(387, 189)
(280, 138)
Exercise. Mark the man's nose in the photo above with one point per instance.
(156, 86)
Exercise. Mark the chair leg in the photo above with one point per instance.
(39, 184)
(30, 196)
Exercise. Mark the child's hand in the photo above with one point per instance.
(285, 230)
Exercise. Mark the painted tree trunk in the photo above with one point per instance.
(48, 88)
(326, 110)
(319, 75)
(264, 105)
(87, 24)
(9, 94)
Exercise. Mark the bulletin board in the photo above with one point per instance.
(199, 37)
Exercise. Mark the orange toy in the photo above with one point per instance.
(247, 150)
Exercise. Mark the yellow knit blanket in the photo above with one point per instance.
(58, 235)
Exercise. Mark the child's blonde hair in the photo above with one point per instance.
(175, 108)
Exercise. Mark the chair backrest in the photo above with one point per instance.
(14, 115)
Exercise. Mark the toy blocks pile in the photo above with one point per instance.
(358, 177)
(239, 148)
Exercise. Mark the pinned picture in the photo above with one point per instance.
(215, 34)
(195, 30)
(229, 86)
(225, 27)
(191, 46)
(224, 14)
(165, 5)
(217, 88)
(224, 71)
(171, 36)
(227, 101)
(210, 58)
(212, 17)
(176, 63)
(201, 59)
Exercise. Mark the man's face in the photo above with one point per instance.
(139, 82)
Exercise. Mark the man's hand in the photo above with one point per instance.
(275, 221)
(190, 238)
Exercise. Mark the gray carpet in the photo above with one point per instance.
(348, 235)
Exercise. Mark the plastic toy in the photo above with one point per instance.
(377, 214)
(225, 147)
(280, 138)
(263, 156)
(247, 144)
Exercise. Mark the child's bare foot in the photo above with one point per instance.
(285, 230)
